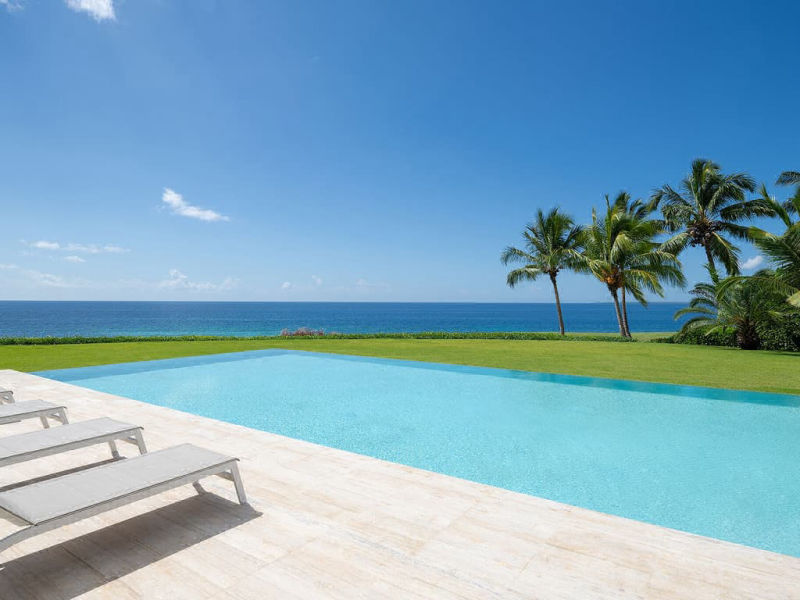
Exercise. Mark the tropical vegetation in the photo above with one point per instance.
(620, 251)
(552, 243)
(632, 247)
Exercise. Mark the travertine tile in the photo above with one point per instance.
(330, 524)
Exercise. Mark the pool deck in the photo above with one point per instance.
(325, 523)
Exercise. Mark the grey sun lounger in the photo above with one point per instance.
(46, 442)
(50, 504)
(6, 395)
(32, 409)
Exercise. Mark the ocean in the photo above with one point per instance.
(61, 319)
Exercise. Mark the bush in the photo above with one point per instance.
(701, 337)
(305, 332)
(784, 335)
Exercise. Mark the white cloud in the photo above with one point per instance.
(11, 5)
(179, 206)
(74, 259)
(99, 10)
(317, 280)
(44, 245)
(366, 285)
(752, 263)
(94, 248)
(81, 248)
(44, 279)
(286, 285)
(179, 281)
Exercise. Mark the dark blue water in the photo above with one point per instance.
(59, 319)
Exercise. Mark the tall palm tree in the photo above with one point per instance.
(621, 252)
(705, 211)
(639, 212)
(551, 243)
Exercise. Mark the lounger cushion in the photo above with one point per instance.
(25, 443)
(29, 406)
(61, 496)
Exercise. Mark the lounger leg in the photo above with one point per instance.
(200, 489)
(140, 441)
(113, 445)
(237, 482)
(16, 537)
(45, 422)
(61, 415)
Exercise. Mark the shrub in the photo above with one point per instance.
(302, 332)
(288, 334)
(701, 336)
(783, 335)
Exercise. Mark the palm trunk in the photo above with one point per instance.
(558, 303)
(625, 315)
(712, 268)
(616, 308)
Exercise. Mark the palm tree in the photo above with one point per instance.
(789, 178)
(620, 251)
(705, 212)
(735, 304)
(782, 250)
(637, 211)
(551, 243)
(785, 211)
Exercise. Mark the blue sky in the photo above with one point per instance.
(298, 150)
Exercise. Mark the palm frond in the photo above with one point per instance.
(789, 178)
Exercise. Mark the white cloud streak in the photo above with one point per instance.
(44, 245)
(77, 248)
(99, 10)
(179, 281)
(752, 263)
(179, 206)
(11, 5)
(363, 284)
(45, 279)
(74, 259)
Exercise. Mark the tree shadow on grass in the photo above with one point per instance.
(80, 565)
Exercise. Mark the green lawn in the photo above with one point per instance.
(693, 365)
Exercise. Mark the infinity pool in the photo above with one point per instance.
(718, 463)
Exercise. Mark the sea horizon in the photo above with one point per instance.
(96, 318)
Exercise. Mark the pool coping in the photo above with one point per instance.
(671, 389)
(338, 524)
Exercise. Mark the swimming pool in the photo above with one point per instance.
(718, 463)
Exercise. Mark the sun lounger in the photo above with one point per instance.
(53, 503)
(46, 442)
(32, 409)
(6, 395)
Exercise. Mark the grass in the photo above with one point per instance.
(668, 363)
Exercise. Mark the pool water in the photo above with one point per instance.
(717, 463)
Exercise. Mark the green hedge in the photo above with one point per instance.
(699, 336)
(784, 336)
(425, 335)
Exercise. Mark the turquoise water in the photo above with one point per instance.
(59, 319)
(717, 463)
